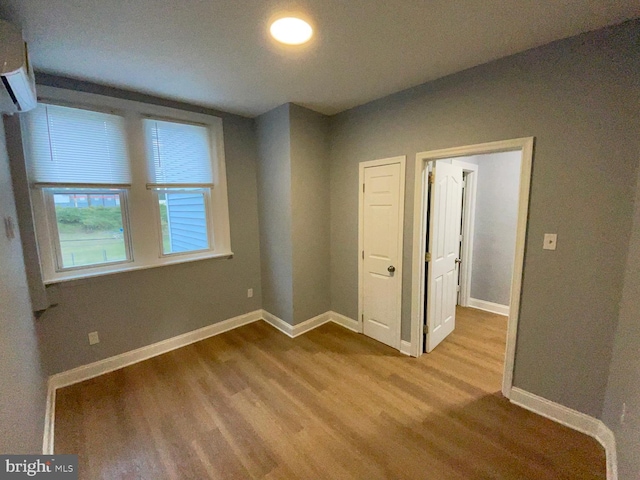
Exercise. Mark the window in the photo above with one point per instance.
(119, 185)
(179, 157)
(89, 227)
(80, 162)
(183, 220)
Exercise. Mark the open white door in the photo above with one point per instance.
(444, 248)
(382, 257)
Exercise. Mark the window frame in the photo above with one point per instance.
(206, 195)
(54, 233)
(144, 229)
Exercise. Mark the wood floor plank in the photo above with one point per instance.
(254, 404)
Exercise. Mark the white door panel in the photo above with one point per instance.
(381, 218)
(444, 246)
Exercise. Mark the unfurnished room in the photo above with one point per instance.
(320, 239)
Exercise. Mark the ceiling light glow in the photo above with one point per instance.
(291, 31)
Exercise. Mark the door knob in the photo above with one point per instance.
(391, 269)
(458, 260)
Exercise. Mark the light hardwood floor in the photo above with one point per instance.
(331, 404)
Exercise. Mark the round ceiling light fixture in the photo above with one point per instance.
(291, 31)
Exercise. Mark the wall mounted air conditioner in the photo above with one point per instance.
(18, 87)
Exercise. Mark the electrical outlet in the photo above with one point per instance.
(93, 338)
(550, 240)
(250, 293)
(624, 413)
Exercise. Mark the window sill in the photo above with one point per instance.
(128, 267)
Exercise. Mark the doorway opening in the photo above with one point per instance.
(446, 194)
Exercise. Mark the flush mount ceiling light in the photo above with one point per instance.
(291, 31)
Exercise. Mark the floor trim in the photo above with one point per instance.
(277, 323)
(49, 420)
(608, 440)
(489, 306)
(346, 322)
(541, 406)
(95, 369)
(573, 419)
(293, 331)
(91, 370)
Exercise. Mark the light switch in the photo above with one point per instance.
(550, 240)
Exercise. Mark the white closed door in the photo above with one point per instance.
(444, 249)
(381, 252)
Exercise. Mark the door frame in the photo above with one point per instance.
(468, 227)
(378, 163)
(423, 159)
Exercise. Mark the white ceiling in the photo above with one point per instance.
(216, 53)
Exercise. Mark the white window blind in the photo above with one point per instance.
(179, 154)
(73, 146)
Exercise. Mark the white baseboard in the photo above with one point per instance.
(346, 322)
(608, 440)
(95, 369)
(277, 323)
(91, 370)
(49, 420)
(308, 325)
(554, 411)
(301, 328)
(489, 306)
(405, 347)
(573, 419)
(294, 331)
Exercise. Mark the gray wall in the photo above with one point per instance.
(293, 197)
(274, 204)
(310, 209)
(624, 376)
(22, 385)
(494, 239)
(579, 98)
(134, 309)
